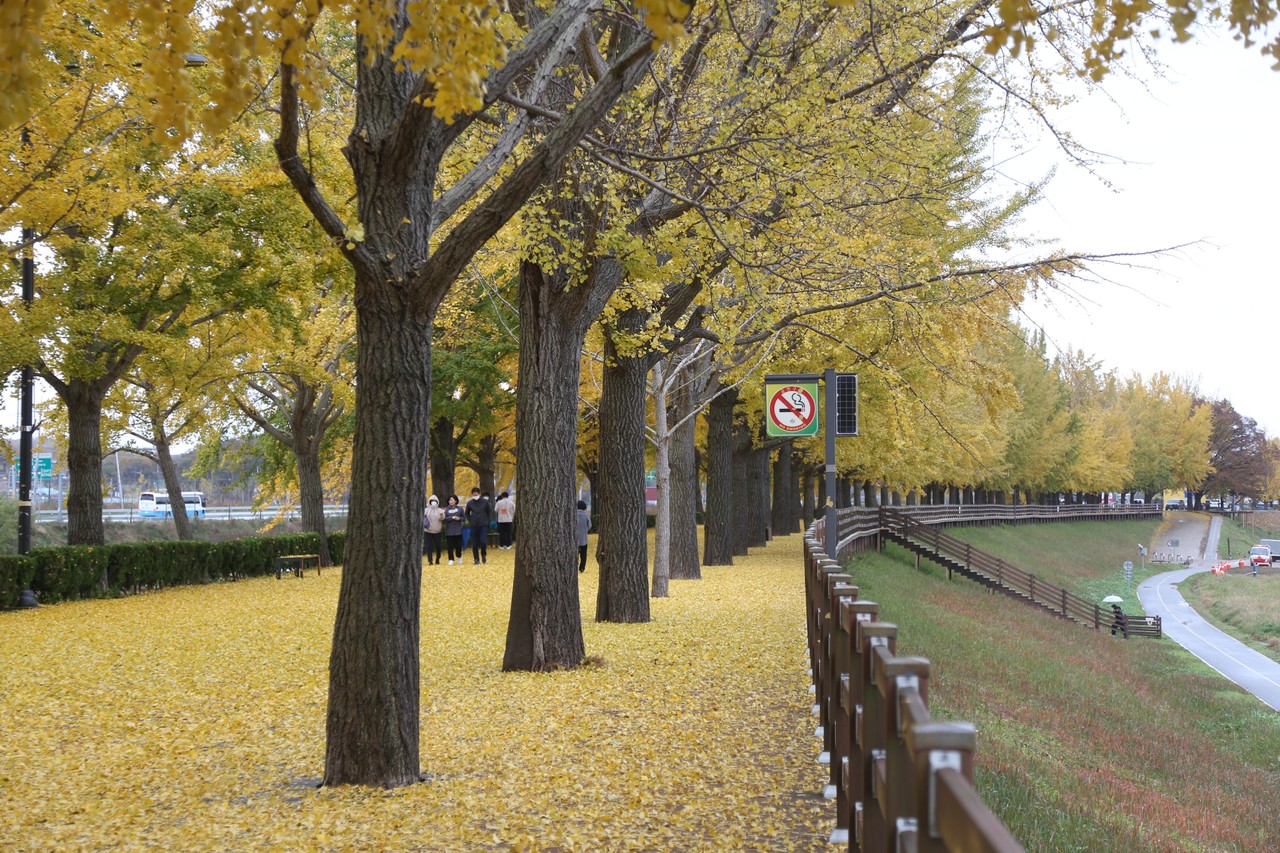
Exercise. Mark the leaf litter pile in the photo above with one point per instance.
(193, 719)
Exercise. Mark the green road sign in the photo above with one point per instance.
(791, 408)
(43, 467)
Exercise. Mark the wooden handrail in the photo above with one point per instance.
(900, 779)
(888, 759)
(1058, 599)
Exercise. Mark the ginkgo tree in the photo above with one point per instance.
(424, 77)
(165, 400)
(138, 282)
(294, 382)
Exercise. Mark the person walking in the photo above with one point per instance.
(432, 529)
(584, 527)
(1117, 622)
(454, 520)
(479, 517)
(506, 510)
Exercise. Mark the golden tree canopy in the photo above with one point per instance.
(454, 43)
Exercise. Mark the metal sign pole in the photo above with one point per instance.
(796, 415)
(829, 390)
(25, 406)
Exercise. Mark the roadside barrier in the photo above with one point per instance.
(901, 780)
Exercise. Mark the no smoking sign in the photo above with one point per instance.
(792, 409)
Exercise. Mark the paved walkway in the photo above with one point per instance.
(1255, 672)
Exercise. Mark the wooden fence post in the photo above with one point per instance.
(839, 585)
(894, 678)
(821, 673)
(850, 795)
(871, 832)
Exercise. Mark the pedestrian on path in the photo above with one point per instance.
(1117, 623)
(506, 510)
(479, 517)
(432, 529)
(584, 527)
(454, 520)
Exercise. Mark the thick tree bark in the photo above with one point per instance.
(372, 723)
(807, 504)
(743, 499)
(172, 485)
(718, 524)
(757, 460)
(316, 412)
(444, 458)
(684, 487)
(544, 630)
(780, 523)
(623, 594)
(84, 462)
(786, 492)
(486, 462)
(311, 495)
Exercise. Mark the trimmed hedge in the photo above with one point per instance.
(75, 572)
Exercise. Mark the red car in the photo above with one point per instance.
(1259, 555)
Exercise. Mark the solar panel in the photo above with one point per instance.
(846, 404)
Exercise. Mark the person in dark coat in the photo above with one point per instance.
(479, 517)
(1117, 623)
(454, 520)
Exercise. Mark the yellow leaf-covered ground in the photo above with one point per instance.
(193, 719)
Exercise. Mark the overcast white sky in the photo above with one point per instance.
(1200, 150)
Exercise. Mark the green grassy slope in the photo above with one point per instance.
(1085, 742)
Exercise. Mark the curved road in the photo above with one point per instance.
(1159, 595)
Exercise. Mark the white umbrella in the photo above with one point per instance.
(1112, 599)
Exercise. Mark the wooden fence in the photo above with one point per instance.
(902, 781)
(1001, 576)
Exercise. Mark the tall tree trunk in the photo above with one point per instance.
(806, 497)
(744, 503)
(684, 486)
(783, 517)
(173, 486)
(444, 457)
(718, 525)
(372, 722)
(622, 552)
(311, 493)
(84, 462)
(758, 489)
(544, 630)
(486, 462)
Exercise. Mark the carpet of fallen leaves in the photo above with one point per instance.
(193, 719)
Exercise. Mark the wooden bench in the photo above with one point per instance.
(296, 563)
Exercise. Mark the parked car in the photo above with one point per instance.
(1259, 555)
(1176, 503)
